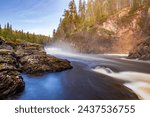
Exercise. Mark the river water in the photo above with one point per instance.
(93, 77)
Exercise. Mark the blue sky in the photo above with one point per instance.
(38, 16)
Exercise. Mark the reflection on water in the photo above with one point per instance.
(44, 87)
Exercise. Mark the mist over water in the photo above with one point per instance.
(60, 48)
(66, 50)
(137, 81)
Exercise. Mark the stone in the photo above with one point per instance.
(36, 61)
(141, 51)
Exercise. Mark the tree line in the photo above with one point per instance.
(8, 33)
(93, 12)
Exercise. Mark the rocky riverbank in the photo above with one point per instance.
(141, 51)
(17, 57)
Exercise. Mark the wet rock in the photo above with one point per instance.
(34, 60)
(141, 51)
(145, 57)
(11, 81)
(41, 63)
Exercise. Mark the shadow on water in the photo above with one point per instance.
(48, 86)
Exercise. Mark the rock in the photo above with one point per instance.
(11, 81)
(3, 45)
(41, 63)
(141, 51)
(25, 50)
(34, 60)
(20, 56)
(145, 57)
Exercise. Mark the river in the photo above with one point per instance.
(93, 77)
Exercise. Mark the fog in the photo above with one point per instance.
(65, 49)
(59, 47)
(137, 81)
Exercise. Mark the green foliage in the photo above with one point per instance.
(8, 33)
(69, 22)
(94, 12)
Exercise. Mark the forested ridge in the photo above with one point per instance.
(93, 12)
(10, 34)
(104, 26)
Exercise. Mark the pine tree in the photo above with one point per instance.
(80, 8)
(60, 20)
(72, 10)
(28, 36)
(98, 10)
(135, 5)
(0, 30)
(7, 26)
(90, 12)
(146, 2)
(54, 33)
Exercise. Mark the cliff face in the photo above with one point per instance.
(125, 28)
(119, 33)
(142, 49)
(19, 57)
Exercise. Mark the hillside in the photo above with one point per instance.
(116, 32)
(13, 35)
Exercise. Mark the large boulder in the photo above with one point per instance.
(11, 83)
(34, 60)
(42, 63)
(141, 51)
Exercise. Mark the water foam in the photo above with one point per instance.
(120, 55)
(71, 53)
(138, 82)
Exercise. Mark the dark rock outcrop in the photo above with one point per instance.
(11, 81)
(24, 57)
(34, 60)
(141, 51)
